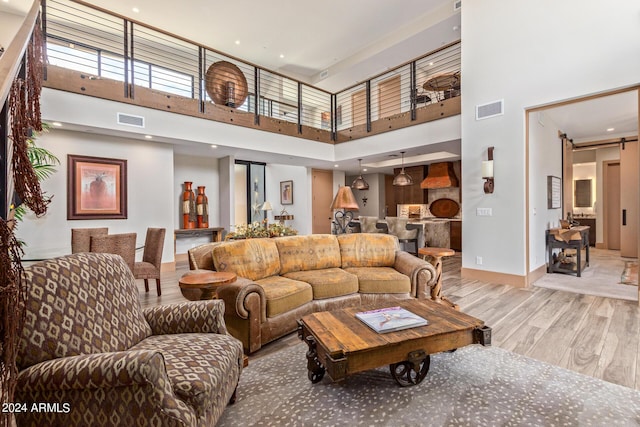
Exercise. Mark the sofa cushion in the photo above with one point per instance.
(310, 252)
(200, 366)
(251, 258)
(80, 304)
(380, 280)
(328, 282)
(284, 294)
(367, 250)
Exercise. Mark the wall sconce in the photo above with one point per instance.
(487, 172)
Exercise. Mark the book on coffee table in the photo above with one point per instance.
(391, 319)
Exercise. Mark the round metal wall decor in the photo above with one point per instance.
(226, 84)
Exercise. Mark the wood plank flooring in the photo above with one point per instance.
(592, 335)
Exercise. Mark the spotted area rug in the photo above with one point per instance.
(474, 386)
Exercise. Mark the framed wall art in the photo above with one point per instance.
(286, 192)
(554, 192)
(96, 188)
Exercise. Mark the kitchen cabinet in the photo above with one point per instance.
(455, 235)
(411, 194)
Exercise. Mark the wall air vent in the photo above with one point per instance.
(492, 109)
(457, 5)
(130, 120)
(324, 74)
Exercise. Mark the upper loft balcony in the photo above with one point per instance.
(92, 52)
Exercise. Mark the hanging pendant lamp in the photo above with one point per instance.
(359, 183)
(402, 179)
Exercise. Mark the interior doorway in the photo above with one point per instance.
(321, 190)
(611, 185)
(603, 122)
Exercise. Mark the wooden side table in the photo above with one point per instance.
(206, 283)
(434, 256)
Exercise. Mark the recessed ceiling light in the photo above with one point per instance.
(214, 146)
(237, 41)
(136, 10)
(57, 124)
(335, 166)
(611, 129)
(364, 170)
(148, 136)
(282, 55)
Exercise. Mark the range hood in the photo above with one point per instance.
(441, 175)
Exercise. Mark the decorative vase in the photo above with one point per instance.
(188, 206)
(202, 208)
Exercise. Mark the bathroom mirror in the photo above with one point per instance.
(582, 193)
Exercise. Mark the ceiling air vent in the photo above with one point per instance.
(492, 109)
(324, 74)
(457, 5)
(130, 120)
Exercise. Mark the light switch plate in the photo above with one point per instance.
(483, 212)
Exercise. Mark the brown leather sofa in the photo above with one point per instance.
(282, 279)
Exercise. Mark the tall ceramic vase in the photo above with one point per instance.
(188, 206)
(202, 208)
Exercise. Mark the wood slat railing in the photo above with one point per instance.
(12, 58)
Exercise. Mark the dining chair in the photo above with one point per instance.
(81, 238)
(123, 244)
(149, 267)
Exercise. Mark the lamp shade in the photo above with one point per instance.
(402, 179)
(266, 206)
(487, 169)
(359, 183)
(344, 199)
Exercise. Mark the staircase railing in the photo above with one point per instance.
(10, 64)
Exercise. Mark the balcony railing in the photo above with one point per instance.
(103, 46)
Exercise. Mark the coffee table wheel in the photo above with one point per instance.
(315, 377)
(410, 372)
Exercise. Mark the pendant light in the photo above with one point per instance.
(359, 183)
(402, 179)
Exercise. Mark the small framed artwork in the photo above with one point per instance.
(96, 188)
(286, 192)
(554, 192)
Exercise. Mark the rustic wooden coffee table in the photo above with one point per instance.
(341, 345)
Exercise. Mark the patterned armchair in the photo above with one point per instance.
(89, 348)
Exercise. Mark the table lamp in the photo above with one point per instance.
(266, 207)
(344, 200)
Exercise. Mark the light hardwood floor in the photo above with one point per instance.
(595, 336)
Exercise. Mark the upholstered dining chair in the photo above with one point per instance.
(81, 238)
(398, 227)
(123, 244)
(149, 267)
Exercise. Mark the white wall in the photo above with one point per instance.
(9, 26)
(375, 195)
(529, 54)
(545, 160)
(149, 176)
(274, 174)
(201, 171)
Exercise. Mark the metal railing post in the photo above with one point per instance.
(413, 90)
(201, 82)
(126, 58)
(256, 101)
(368, 99)
(299, 107)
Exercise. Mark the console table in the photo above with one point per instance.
(568, 238)
(214, 232)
